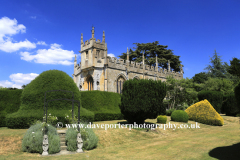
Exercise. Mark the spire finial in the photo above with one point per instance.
(143, 57)
(81, 38)
(92, 32)
(103, 37)
(75, 58)
(168, 66)
(127, 54)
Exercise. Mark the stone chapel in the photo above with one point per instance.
(97, 71)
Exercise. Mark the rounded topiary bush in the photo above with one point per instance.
(162, 119)
(179, 116)
(33, 139)
(88, 136)
(33, 97)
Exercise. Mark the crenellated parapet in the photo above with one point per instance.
(121, 64)
(77, 69)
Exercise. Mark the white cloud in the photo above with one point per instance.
(41, 43)
(33, 17)
(111, 55)
(54, 55)
(18, 79)
(9, 27)
(9, 46)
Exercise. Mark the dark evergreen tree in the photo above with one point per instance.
(234, 68)
(150, 51)
(200, 77)
(217, 69)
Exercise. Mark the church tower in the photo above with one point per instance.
(92, 50)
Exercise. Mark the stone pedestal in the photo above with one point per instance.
(79, 143)
(45, 145)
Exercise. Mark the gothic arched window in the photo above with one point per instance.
(90, 83)
(86, 54)
(120, 82)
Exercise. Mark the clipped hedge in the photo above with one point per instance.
(214, 97)
(179, 116)
(105, 105)
(22, 120)
(230, 106)
(9, 103)
(107, 115)
(204, 112)
(162, 119)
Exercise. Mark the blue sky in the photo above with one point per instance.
(36, 36)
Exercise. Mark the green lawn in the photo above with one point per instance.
(208, 142)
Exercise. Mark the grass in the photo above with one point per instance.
(206, 143)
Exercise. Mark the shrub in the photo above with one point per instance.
(214, 97)
(237, 94)
(71, 139)
(33, 139)
(33, 97)
(169, 112)
(179, 116)
(142, 99)
(89, 138)
(162, 119)
(230, 105)
(204, 112)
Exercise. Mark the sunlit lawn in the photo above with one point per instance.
(208, 142)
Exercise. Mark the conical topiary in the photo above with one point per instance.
(204, 112)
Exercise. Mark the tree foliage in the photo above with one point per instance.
(150, 51)
(217, 69)
(234, 68)
(200, 77)
(216, 84)
(181, 91)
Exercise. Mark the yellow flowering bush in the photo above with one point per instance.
(204, 112)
